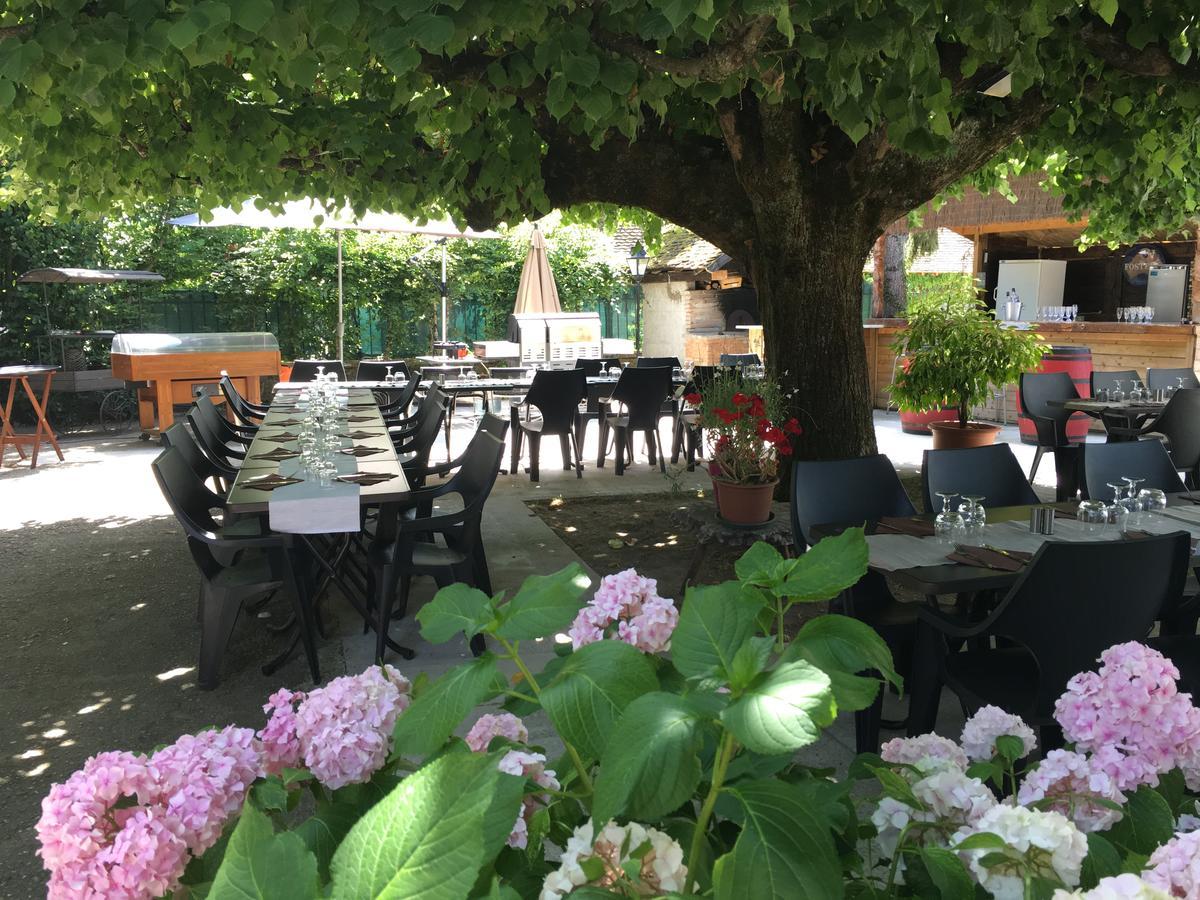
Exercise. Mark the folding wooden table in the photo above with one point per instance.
(8, 435)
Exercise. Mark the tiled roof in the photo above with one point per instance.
(954, 253)
(682, 251)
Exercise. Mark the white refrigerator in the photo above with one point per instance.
(1038, 282)
(1166, 290)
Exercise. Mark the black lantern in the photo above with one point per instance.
(637, 262)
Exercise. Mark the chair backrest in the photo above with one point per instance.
(702, 377)
(557, 394)
(480, 465)
(1037, 390)
(643, 390)
(185, 493)
(1169, 378)
(211, 442)
(306, 369)
(596, 367)
(657, 362)
(208, 409)
(1106, 381)
(1105, 464)
(376, 369)
(508, 372)
(443, 373)
(399, 406)
(845, 491)
(178, 437)
(241, 408)
(430, 415)
(1077, 599)
(990, 472)
(741, 359)
(1180, 422)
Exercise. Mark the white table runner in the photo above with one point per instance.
(308, 508)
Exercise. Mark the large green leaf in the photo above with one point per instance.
(1147, 822)
(651, 763)
(785, 850)
(325, 828)
(544, 604)
(262, 865)
(830, 567)
(455, 608)
(714, 623)
(430, 31)
(1102, 860)
(840, 643)
(430, 837)
(785, 709)
(759, 564)
(592, 688)
(252, 14)
(946, 872)
(438, 710)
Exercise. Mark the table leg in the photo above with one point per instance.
(165, 403)
(43, 425)
(7, 435)
(925, 689)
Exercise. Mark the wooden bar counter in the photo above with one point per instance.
(1114, 346)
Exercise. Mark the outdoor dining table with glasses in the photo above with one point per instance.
(319, 457)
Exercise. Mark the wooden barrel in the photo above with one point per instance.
(1076, 362)
(918, 423)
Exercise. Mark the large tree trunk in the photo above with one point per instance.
(809, 283)
(895, 282)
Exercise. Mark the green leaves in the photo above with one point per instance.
(252, 14)
(262, 865)
(785, 709)
(592, 688)
(715, 621)
(823, 572)
(455, 608)
(437, 711)
(544, 604)
(582, 70)
(1147, 823)
(430, 836)
(432, 32)
(842, 647)
(784, 849)
(651, 764)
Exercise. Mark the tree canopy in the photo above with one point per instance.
(772, 128)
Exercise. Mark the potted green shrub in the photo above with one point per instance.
(953, 351)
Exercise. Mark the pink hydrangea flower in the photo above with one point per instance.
(345, 728)
(925, 752)
(490, 726)
(1175, 866)
(280, 745)
(531, 766)
(1073, 782)
(989, 723)
(201, 780)
(644, 619)
(1132, 707)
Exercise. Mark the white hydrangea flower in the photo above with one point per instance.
(989, 723)
(1116, 887)
(1048, 841)
(662, 870)
(952, 801)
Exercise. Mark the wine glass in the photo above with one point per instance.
(1131, 500)
(1117, 393)
(388, 377)
(320, 374)
(948, 525)
(1179, 383)
(974, 515)
(1117, 511)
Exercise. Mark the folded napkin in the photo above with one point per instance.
(1009, 561)
(906, 525)
(360, 419)
(276, 455)
(285, 438)
(367, 478)
(359, 434)
(283, 422)
(270, 482)
(361, 451)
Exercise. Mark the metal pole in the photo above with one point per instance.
(444, 290)
(341, 322)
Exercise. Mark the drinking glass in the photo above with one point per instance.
(389, 378)
(1092, 515)
(1179, 382)
(1120, 314)
(1117, 394)
(1074, 311)
(614, 371)
(948, 525)
(974, 516)
(1149, 313)
(1152, 502)
(320, 374)
(1117, 511)
(1135, 392)
(1132, 503)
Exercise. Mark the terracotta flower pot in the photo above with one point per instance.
(744, 504)
(952, 436)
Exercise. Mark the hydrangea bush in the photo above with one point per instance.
(673, 770)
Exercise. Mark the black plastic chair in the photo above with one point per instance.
(594, 368)
(213, 443)
(1178, 429)
(990, 472)
(853, 492)
(414, 446)
(1072, 602)
(556, 395)
(741, 359)
(398, 551)
(657, 362)
(1161, 379)
(1115, 421)
(226, 586)
(306, 369)
(249, 413)
(687, 435)
(392, 408)
(240, 435)
(1105, 464)
(1037, 390)
(376, 369)
(179, 438)
(642, 391)
(1107, 381)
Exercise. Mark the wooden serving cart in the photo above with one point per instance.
(170, 368)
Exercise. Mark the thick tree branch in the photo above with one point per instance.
(1152, 61)
(715, 64)
(12, 31)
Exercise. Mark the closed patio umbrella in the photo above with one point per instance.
(537, 292)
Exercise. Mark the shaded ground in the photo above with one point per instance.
(98, 626)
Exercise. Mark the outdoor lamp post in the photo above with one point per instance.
(637, 268)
